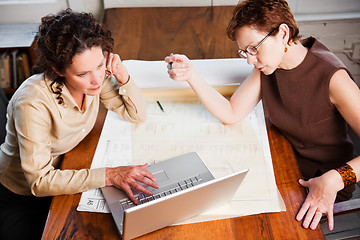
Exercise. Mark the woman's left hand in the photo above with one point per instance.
(320, 199)
(128, 177)
(115, 67)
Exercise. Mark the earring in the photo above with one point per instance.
(285, 49)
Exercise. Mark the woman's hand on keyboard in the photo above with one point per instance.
(127, 177)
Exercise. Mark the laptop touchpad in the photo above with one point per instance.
(160, 176)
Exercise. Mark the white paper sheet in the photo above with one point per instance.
(217, 72)
(224, 149)
(187, 126)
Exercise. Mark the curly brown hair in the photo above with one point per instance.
(62, 36)
(263, 15)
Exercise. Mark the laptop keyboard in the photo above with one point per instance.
(176, 187)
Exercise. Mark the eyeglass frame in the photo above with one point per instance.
(243, 54)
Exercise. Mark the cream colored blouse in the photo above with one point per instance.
(40, 131)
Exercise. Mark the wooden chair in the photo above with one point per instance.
(3, 106)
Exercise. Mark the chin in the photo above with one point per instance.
(93, 92)
(268, 71)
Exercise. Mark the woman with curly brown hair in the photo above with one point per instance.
(308, 93)
(52, 111)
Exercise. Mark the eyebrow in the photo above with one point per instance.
(250, 44)
(102, 62)
(83, 72)
(245, 47)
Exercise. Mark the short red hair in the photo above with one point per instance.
(264, 16)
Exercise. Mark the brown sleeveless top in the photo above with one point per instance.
(298, 104)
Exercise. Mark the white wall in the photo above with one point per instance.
(94, 6)
(339, 36)
(28, 11)
(19, 11)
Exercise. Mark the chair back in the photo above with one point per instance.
(3, 105)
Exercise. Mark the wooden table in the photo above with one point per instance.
(199, 32)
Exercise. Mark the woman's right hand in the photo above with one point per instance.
(179, 67)
(127, 177)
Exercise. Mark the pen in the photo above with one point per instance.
(161, 108)
(171, 62)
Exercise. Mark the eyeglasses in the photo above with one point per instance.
(253, 50)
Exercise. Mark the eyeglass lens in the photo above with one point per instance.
(253, 50)
(250, 49)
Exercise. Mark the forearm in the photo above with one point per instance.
(59, 182)
(127, 101)
(242, 102)
(134, 102)
(214, 102)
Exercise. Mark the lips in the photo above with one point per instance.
(260, 68)
(94, 89)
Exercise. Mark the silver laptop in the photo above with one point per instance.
(186, 188)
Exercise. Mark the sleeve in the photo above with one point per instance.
(126, 100)
(34, 127)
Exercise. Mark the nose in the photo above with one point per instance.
(251, 60)
(97, 78)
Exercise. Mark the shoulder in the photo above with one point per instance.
(325, 60)
(342, 86)
(31, 86)
(32, 92)
(322, 53)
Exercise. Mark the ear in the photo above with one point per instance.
(284, 33)
(57, 72)
(106, 54)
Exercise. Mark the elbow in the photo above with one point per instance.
(232, 118)
(38, 191)
(41, 187)
(229, 120)
(139, 117)
(142, 115)
(226, 122)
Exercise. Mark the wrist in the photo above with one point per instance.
(108, 178)
(124, 80)
(194, 79)
(336, 179)
(347, 174)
